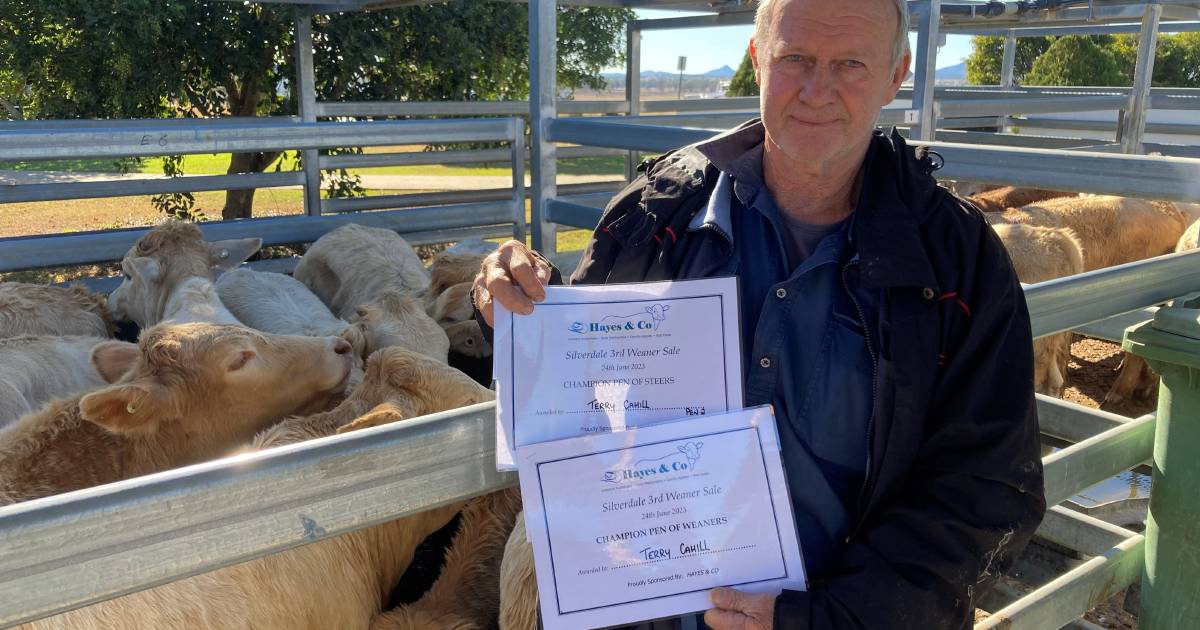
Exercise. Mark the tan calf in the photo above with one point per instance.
(184, 394)
(466, 596)
(1039, 254)
(35, 309)
(518, 582)
(393, 319)
(339, 582)
(1112, 230)
(1005, 197)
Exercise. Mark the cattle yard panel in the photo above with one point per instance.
(71, 550)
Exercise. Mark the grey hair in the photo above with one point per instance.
(899, 47)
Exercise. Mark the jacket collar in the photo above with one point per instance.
(897, 196)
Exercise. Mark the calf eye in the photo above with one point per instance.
(470, 342)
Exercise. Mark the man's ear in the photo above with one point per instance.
(146, 268)
(899, 75)
(124, 409)
(112, 359)
(226, 255)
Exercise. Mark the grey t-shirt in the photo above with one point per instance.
(802, 237)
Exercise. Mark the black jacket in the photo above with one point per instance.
(955, 480)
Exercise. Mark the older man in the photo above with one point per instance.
(881, 318)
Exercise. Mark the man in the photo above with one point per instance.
(881, 318)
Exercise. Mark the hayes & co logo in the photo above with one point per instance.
(646, 320)
(682, 459)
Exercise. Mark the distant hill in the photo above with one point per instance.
(724, 72)
(956, 73)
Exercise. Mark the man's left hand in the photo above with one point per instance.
(735, 610)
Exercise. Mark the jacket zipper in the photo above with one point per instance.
(874, 395)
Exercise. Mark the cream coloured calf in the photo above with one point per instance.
(353, 264)
(393, 319)
(37, 369)
(35, 309)
(168, 276)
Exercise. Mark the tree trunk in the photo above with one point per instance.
(244, 98)
(239, 204)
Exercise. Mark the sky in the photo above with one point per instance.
(709, 48)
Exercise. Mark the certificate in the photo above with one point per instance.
(596, 359)
(639, 525)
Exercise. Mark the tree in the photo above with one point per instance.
(742, 83)
(987, 57)
(182, 58)
(1075, 60)
(1176, 60)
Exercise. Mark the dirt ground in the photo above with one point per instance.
(1092, 369)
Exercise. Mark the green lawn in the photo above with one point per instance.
(217, 164)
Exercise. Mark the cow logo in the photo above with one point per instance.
(645, 320)
(683, 459)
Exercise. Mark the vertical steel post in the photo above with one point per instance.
(923, 76)
(1171, 578)
(306, 84)
(1007, 70)
(1139, 98)
(518, 179)
(633, 89)
(543, 58)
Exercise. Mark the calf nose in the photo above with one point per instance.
(341, 346)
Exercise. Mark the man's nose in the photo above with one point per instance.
(816, 89)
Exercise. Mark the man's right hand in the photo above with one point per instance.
(514, 276)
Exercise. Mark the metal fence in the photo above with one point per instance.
(79, 548)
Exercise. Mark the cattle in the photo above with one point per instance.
(37, 369)
(1039, 254)
(168, 275)
(337, 582)
(185, 394)
(394, 319)
(1005, 197)
(35, 309)
(352, 265)
(1112, 230)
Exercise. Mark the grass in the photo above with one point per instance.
(218, 164)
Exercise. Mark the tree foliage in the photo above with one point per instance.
(742, 83)
(1176, 63)
(987, 57)
(1075, 60)
(191, 58)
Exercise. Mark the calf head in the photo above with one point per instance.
(453, 305)
(160, 260)
(213, 385)
(450, 268)
(393, 319)
(466, 338)
(404, 384)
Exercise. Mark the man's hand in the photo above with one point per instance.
(735, 610)
(510, 267)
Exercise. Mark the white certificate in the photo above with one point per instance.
(596, 359)
(640, 525)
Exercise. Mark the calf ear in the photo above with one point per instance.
(112, 359)
(146, 268)
(226, 255)
(123, 409)
(386, 413)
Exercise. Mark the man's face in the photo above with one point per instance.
(825, 69)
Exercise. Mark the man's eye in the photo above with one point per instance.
(793, 58)
(852, 63)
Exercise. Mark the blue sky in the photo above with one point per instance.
(710, 48)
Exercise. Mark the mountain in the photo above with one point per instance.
(954, 73)
(724, 72)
